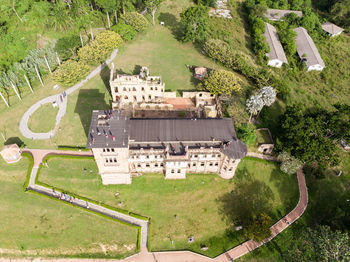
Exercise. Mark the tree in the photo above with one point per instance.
(152, 6)
(136, 20)
(195, 21)
(67, 46)
(70, 72)
(254, 105)
(307, 137)
(246, 133)
(237, 111)
(320, 244)
(222, 82)
(125, 31)
(289, 164)
(259, 229)
(268, 95)
(98, 50)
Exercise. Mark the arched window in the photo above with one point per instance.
(124, 89)
(126, 97)
(151, 88)
(143, 89)
(133, 89)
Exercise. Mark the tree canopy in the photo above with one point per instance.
(195, 23)
(222, 82)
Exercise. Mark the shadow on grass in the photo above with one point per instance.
(105, 75)
(170, 22)
(89, 100)
(249, 198)
(14, 140)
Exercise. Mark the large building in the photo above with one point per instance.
(124, 146)
(276, 55)
(307, 50)
(143, 95)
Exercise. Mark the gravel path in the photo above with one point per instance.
(62, 104)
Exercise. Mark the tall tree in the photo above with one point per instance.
(222, 82)
(254, 105)
(152, 6)
(195, 21)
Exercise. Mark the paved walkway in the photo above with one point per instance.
(39, 155)
(23, 125)
(173, 256)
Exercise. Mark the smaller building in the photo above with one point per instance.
(276, 55)
(200, 72)
(277, 14)
(307, 50)
(11, 153)
(331, 29)
(265, 141)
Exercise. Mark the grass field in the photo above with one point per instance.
(180, 208)
(44, 119)
(33, 225)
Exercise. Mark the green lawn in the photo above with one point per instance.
(181, 208)
(44, 119)
(34, 225)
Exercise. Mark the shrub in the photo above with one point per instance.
(136, 21)
(290, 164)
(237, 111)
(70, 72)
(125, 31)
(222, 82)
(211, 3)
(246, 133)
(98, 50)
(67, 46)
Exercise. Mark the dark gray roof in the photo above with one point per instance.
(108, 129)
(306, 48)
(276, 49)
(148, 130)
(278, 14)
(119, 131)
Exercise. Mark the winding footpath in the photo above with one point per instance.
(39, 155)
(171, 256)
(62, 104)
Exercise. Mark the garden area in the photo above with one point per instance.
(203, 206)
(33, 225)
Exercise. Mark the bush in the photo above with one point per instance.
(67, 46)
(125, 31)
(222, 82)
(136, 21)
(98, 50)
(236, 109)
(247, 134)
(290, 164)
(211, 3)
(70, 72)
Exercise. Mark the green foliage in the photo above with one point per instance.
(307, 137)
(319, 244)
(67, 46)
(246, 133)
(70, 72)
(287, 37)
(125, 31)
(340, 12)
(259, 229)
(136, 21)
(98, 50)
(13, 48)
(237, 111)
(195, 21)
(222, 82)
(290, 165)
(211, 3)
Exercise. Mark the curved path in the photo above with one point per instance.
(174, 256)
(23, 124)
(39, 155)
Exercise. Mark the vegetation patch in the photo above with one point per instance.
(44, 119)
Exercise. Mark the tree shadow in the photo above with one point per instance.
(89, 100)
(136, 70)
(105, 76)
(170, 22)
(249, 199)
(14, 140)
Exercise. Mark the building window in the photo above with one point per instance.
(147, 165)
(216, 164)
(138, 165)
(142, 89)
(156, 164)
(126, 97)
(156, 88)
(189, 165)
(133, 89)
(202, 164)
(230, 169)
(179, 171)
(161, 164)
(151, 88)
(225, 168)
(115, 160)
(210, 164)
(194, 164)
(172, 171)
(106, 160)
(104, 150)
(195, 156)
(218, 155)
(124, 89)
(112, 149)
